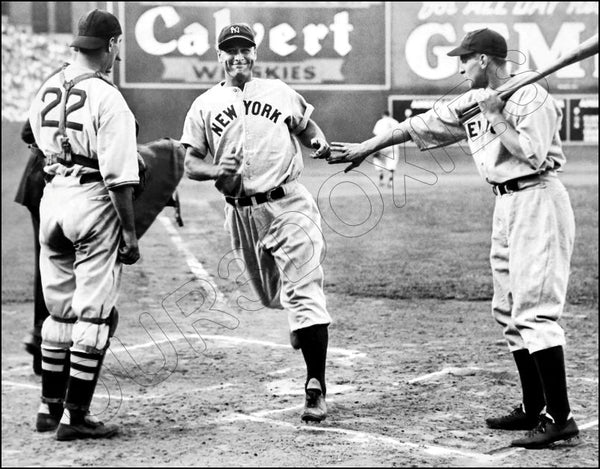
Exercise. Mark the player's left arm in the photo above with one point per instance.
(313, 137)
(529, 140)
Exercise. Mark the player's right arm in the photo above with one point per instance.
(198, 169)
(122, 199)
(356, 153)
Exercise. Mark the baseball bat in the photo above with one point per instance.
(583, 51)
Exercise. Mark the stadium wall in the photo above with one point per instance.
(351, 60)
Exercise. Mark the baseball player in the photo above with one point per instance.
(251, 128)
(517, 149)
(386, 159)
(86, 131)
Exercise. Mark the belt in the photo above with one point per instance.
(83, 179)
(90, 177)
(514, 185)
(256, 199)
(74, 159)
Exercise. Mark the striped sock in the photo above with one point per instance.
(55, 372)
(85, 369)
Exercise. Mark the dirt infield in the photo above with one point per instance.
(198, 375)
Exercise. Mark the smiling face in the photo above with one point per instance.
(237, 58)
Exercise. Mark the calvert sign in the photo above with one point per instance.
(321, 45)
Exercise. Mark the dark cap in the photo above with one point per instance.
(95, 28)
(236, 31)
(484, 41)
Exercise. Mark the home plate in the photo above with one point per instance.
(287, 387)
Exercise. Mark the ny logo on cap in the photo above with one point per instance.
(235, 30)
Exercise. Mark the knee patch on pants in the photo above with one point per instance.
(89, 337)
(56, 333)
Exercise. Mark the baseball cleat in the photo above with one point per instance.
(48, 417)
(315, 407)
(89, 428)
(46, 422)
(547, 433)
(516, 420)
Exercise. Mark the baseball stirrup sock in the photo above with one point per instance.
(55, 373)
(551, 367)
(85, 369)
(313, 343)
(531, 385)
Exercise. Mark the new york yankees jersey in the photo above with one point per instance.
(531, 111)
(257, 123)
(99, 125)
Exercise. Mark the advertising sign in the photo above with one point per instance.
(537, 33)
(318, 45)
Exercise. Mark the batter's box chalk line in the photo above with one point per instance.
(354, 436)
(224, 339)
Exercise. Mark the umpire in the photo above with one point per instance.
(29, 194)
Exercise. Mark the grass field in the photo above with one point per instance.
(415, 363)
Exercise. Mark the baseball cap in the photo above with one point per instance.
(95, 28)
(485, 41)
(236, 31)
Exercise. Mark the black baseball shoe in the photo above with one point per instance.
(90, 427)
(547, 433)
(516, 420)
(315, 407)
(48, 416)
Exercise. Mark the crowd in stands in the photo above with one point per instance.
(27, 59)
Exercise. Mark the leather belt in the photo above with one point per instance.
(83, 179)
(514, 185)
(90, 177)
(74, 159)
(256, 199)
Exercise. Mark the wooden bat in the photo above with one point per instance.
(583, 51)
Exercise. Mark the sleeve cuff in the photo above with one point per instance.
(304, 122)
(114, 185)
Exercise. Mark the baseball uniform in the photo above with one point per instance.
(533, 227)
(280, 240)
(385, 159)
(80, 234)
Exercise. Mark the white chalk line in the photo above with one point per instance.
(370, 436)
(194, 264)
(200, 272)
(470, 370)
(365, 437)
(138, 397)
(236, 340)
(445, 371)
(260, 416)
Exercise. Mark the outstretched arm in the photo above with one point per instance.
(356, 153)
(313, 137)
